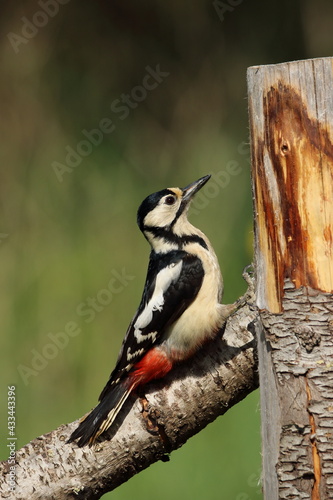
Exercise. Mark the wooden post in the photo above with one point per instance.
(291, 121)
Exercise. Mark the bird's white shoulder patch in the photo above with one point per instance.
(164, 279)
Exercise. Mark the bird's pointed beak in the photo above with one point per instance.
(190, 190)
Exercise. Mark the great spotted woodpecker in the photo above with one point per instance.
(180, 307)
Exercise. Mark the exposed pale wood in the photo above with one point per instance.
(291, 121)
(175, 409)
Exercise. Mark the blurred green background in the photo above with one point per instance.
(66, 231)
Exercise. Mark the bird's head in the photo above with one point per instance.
(164, 214)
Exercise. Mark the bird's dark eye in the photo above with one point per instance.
(170, 200)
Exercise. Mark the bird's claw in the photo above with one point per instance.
(248, 275)
(249, 295)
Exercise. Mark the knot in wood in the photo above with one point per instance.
(285, 148)
(307, 337)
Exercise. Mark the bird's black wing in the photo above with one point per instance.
(173, 281)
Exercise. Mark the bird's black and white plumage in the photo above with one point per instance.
(180, 307)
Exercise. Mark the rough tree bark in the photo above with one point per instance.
(291, 121)
(170, 412)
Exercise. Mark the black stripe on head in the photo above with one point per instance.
(169, 236)
(180, 210)
(149, 204)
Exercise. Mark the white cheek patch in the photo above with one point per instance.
(164, 279)
(163, 214)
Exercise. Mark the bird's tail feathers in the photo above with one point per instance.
(102, 416)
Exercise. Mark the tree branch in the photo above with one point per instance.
(149, 428)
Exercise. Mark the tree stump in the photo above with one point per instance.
(291, 122)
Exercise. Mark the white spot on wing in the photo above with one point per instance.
(134, 355)
(164, 279)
